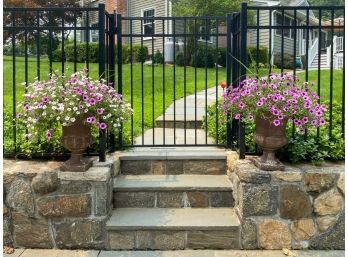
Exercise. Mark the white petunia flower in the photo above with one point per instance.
(67, 118)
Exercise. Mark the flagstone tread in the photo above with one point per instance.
(172, 182)
(174, 155)
(173, 219)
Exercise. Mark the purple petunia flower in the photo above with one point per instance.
(102, 125)
(45, 99)
(276, 123)
(49, 134)
(314, 122)
(241, 105)
(322, 122)
(90, 87)
(26, 107)
(91, 119)
(91, 101)
(100, 111)
(237, 117)
(305, 120)
(259, 103)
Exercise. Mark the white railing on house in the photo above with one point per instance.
(313, 50)
(337, 44)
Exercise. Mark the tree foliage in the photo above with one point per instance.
(205, 7)
(43, 18)
(327, 13)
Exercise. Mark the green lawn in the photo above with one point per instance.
(152, 91)
(337, 79)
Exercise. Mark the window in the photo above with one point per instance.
(287, 22)
(148, 25)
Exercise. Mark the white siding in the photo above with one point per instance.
(135, 10)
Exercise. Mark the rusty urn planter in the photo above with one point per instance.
(76, 138)
(270, 138)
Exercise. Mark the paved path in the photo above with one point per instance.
(185, 253)
(194, 134)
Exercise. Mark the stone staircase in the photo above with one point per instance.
(172, 201)
(323, 61)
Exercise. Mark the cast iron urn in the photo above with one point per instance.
(76, 138)
(270, 138)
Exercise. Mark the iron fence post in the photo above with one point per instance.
(243, 60)
(101, 18)
(228, 75)
(235, 69)
(111, 79)
(119, 69)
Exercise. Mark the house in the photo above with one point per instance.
(275, 36)
(136, 8)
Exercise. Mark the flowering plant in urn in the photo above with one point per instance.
(77, 104)
(270, 103)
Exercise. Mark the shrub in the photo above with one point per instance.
(81, 52)
(158, 58)
(179, 59)
(57, 55)
(140, 53)
(126, 57)
(288, 61)
(252, 54)
(221, 56)
(203, 56)
(298, 148)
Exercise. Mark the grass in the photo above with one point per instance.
(324, 92)
(148, 96)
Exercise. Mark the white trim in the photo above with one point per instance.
(154, 22)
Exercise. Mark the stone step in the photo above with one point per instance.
(174, 137)
(173, 229)
(172, 191)
(174, 163)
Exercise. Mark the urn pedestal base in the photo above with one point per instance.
(268, 166)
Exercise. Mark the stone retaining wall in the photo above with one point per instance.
(299, 208)
(47, 208)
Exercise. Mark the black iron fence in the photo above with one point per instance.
(170, 68)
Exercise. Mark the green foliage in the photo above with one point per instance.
(252, 54)
(57, 55)
(298, 148)
(179, 59)
(221, 56)
(204, 8)
(140, 53)
(222, 119)
(288, 60)
(82, 52)
(204, 56)
(158, 58)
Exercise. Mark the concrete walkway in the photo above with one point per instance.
(185, 253)
(195, 109)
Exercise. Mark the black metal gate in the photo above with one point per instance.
(183, 54)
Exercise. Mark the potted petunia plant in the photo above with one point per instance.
(271, 103)
(77, 104)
